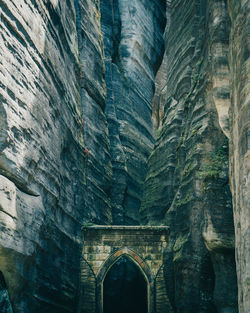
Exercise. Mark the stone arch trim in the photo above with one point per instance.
(143, 267)
(133, 256)
(84, 261)
(103, 245)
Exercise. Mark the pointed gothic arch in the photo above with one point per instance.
(142, 266)
(104, 245)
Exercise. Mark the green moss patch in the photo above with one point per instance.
(179, 244)
(215, 163)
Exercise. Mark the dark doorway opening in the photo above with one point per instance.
(124, 288)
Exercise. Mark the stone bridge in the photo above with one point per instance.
(103, 246)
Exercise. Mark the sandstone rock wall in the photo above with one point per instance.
(55, 145)
(133, 46)
(41, 155)
(80, 81)
(187, 185)
(98, 169)
(239, 142)
(5, 304)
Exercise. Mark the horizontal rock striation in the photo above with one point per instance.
(239, 142)
(187, 185)
(55, 153)
(98, 169)
(41, 155)
(133, 46)
(124, 112)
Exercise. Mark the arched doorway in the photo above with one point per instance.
(125, 288)
(128, 259)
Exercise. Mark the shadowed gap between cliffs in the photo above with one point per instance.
(5, 305)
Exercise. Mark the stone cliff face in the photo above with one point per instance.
(239, 12)
(133, 46)
(188, 188)
(94, 124)
(41, 155)
(57, 155)
(99, 123)
(118, 56)
(5, 304)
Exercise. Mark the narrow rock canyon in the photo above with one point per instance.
(131, 113)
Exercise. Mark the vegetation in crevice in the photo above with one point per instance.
(215, 162)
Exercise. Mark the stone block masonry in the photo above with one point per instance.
(104, 245)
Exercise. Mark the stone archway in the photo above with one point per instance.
(125, 288)
(142, 266)
(104, 245)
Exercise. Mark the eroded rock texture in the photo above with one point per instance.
(80, 81)
(187, 185)
(5, 305)
(239, 142)
(94, 125)
(41, 155)
(133, 47)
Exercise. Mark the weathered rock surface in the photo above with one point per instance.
(98, 169)
(52, 103)
(239, 142)
(187, 185)
(80, 81)
(41, 155)
(133, 46)
(5, 305)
